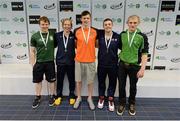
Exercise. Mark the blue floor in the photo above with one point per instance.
(18, 107)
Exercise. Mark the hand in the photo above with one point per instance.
(140, 73)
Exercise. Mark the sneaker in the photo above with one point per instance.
(51, 100)
(58, 101)
(91, 104)
(111, 104)
(121, 109)
(132, 110)
(36, 102)
(101, 102)
(71, 101)
(77, 103)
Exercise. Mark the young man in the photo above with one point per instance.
(42, 60)
(64, 40)
(133, 59)
(108, 43)
(85, 37)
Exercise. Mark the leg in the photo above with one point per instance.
(91, 68)
(71, 79)
(112, 74)
(60, 79)
(78, 74)
(133, 83)
(122, 75)
(51, 78)
(38, 71)
(101, 72)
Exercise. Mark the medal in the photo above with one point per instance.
(108, 44)
(65, 42)
(45, 42)
(86, 39)
(132, 39)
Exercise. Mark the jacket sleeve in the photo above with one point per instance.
(145, 49)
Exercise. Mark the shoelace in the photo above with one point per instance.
(101, 100)
(111, 103)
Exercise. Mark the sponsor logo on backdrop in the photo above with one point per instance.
(147, 19)
(177, 45)
(118, 20)
(22, 57)
(149, 33)
(163, 19)
(116, 6)
(52, 20)
(98, 19)
(174, 68)
(34, 6)
(150, 5)
(50, 7)
(84, 6)
(162, 47)
(16, 19)
(168, 6)
(178, 20)
(6, 46)
(66, 6)
(7, 56)
(131, 5)
(175, 60)
(34, 19)
(159, 67)
(177, 32)
(78, 19)
(168, 33)
(3, 5)
(19, 32)
(148, 67)
(21, 44)
(17, 6)
(100, 6)
(161, 58)
(3, 19)
(2, 32)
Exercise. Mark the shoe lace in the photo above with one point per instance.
(121, 107)
(132, 107)
(101, 99)
(111, 103)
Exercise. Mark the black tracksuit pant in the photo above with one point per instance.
(61, 71)
(125, 70)
(112, 75)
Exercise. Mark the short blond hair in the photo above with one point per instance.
(133, 17)
(66, 19)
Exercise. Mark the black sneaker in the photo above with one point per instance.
(51, 100)
(36, 102)
(132, 110)
(120, 110)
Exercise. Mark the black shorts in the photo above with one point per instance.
(41, 68)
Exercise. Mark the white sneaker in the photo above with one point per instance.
(77, 103)
(101, 102)
(111, 105)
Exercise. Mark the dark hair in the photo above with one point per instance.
(44, 18)
(107, 19)
(84, 13)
